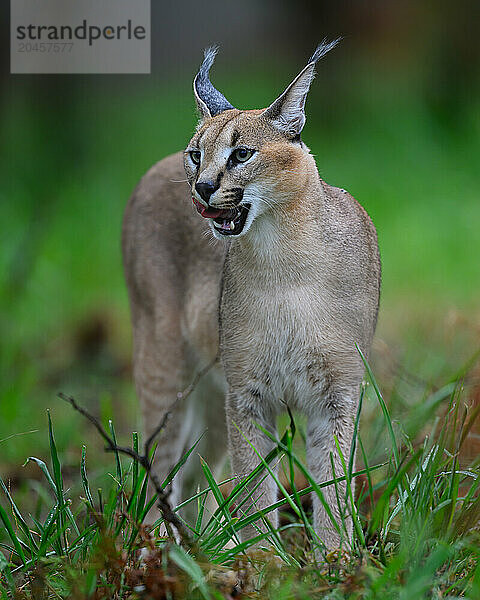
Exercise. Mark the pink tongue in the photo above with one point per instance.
(208, 213)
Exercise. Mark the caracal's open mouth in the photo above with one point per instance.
(229, 221)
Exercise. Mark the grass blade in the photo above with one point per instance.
(217, 494)
(118, 462)
(83, 473)
(58, 479)
(384, 408)
(185, 562)
(356, 521)
(19, 518)
(12, 535)
(135, 469)
(168, 479)
(44, 470)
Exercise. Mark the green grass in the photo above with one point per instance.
(415, 518)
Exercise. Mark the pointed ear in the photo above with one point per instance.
(210, 102)
(287, 113)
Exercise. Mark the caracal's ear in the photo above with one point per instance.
(287, 113)
(210, 102)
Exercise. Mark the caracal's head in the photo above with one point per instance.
(244, 164)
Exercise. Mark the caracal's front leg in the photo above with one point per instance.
(245, 410)
(335, 418)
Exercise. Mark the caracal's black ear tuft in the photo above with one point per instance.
(210, 102)
(287, 113)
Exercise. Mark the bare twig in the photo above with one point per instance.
(170, 517)
(111, 445)
(163, 503)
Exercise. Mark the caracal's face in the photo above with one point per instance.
(239, 167)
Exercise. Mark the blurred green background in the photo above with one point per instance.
(393, 116)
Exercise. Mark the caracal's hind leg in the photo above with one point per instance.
(160, 371)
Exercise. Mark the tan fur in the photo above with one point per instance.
(300, 288)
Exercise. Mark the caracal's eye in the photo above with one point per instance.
(242, 154)
(196, 156)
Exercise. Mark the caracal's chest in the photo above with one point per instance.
(275, 335)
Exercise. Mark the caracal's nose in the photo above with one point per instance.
(206, 189)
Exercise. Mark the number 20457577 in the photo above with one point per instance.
(55, 47)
